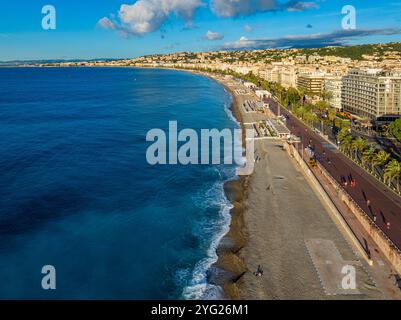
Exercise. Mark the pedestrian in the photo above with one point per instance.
(259, 272)
(368, 202)
(388, 226)
(374, 218)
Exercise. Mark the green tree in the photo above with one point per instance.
(343, 134)
(332, 114)
(381, 159)
(326, 95)
(368, 157)
(310, 117)
(293, 96)
(395, 129)
(322, 107)
(358, 146)
(392, 173)
(346, 144)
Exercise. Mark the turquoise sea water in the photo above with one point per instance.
(77, 193)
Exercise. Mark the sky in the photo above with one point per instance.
(90, 29)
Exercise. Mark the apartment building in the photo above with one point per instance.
(288, 77)
(333, 85)
(371, 93)
(311, 83)
(270, 74)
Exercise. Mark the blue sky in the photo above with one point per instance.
(162, 26)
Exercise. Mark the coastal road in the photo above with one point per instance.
(385, 206)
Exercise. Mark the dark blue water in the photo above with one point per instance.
(76, 191)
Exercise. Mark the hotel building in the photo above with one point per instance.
(371, 93)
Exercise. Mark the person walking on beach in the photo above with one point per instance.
(259, 272)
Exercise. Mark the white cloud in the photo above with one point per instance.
(234, 8)
(295, 6)
(248, 28)
(231, 8)
(212, 36)
(146, 16)
(243, 42)
(106, 23)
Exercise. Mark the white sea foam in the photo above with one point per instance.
(199, 288)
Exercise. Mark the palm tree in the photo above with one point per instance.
(299, 111)
(344, 133)
(310, 117)
(368, 157)
(302, 93)
(381, 159)
(326, 95)
(358, 146)
(346, 144)
(392, 173)
(321, 107)
(332, 113)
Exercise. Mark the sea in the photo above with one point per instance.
(78, 194)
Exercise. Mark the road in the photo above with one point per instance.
(385, 206)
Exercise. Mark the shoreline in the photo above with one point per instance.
(230, 267)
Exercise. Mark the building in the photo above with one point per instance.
(288, 77)
(333, 85)
(371, 93)
(311, 83)
(263, 94)
(269, 74)
(250, 85)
